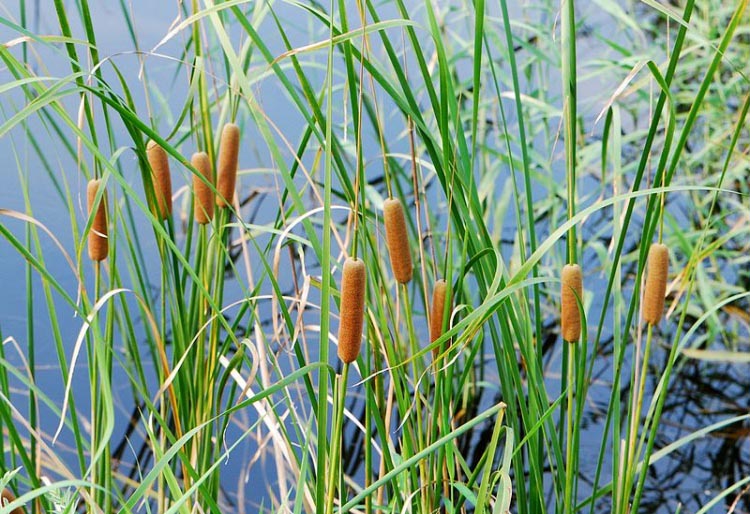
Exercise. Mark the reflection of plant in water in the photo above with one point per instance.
(704, 393)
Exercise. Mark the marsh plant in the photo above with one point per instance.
(366, 256)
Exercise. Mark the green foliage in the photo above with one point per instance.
(482, 118)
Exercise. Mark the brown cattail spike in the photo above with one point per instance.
(228, 161)
(157, 159)
(572, 293)
(656, 283)
(352, 309)
(98, 242)
(437, 311)
(8, 497)
(397, 240)
(203, 195)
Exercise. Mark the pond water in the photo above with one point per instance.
(700, 394)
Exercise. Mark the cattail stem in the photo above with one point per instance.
(228, 161)
(98, 240)
(157, 159)
(203, 199)
(437, 312)
(352, 309)
(337, 439)
(572, 293)
(397, 240)
(656, 283)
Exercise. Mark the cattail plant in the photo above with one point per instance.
(397, 240)
(437, 311)
(656, 283)
(203, 195)
(229, 148)
(8, 497)
(98, 241)
(157, 159)
(572, 293)
(352, 309)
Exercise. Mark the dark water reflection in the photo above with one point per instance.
(703, 394)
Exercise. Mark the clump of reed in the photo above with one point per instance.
(416, 437)
(352, 309)
(656, 283)
(203, 199)
(572, 293)
(98, 242)
(397, 240)
(157, 159)
(229, 148)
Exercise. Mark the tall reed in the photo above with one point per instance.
(205, 340)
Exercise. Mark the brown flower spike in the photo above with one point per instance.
(656, 283)
(397, 240)
(98, 241)
(157, 159)
(352, 309)
(572, 293)
(437, 312)
(203, 195)
(229, 149)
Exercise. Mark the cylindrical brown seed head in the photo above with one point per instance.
(203, 195)
(98, 242)
(437, 311)
(229, 149)
(157, 159)
(656, 283)
(8, 497)
(572, 293)
(397, 240)
(352, 309)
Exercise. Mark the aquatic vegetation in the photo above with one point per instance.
(364, 291)
(438, 309)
